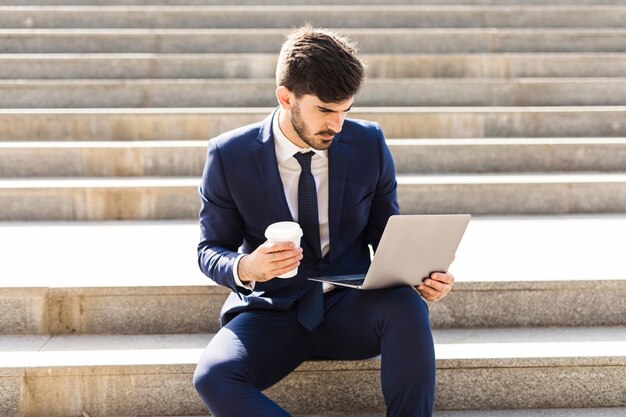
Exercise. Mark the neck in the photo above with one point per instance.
(284, 123)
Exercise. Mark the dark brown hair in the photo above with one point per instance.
(319, 62)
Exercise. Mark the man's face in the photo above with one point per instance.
(315, 122)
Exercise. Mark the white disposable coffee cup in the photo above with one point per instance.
(285, 232)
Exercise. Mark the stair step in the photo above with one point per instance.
(311, 2)
(260, 92)
(411, 156)
(343, 16)
(552, 271)
(191, 309)
(397, 122)
(551, 412)
(428, 156)
(269, 40)
(137, 66)
(152, 374)
(109, 318)
(177, 198)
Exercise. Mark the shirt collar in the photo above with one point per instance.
(285, 148)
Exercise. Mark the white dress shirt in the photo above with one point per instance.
(289, 170)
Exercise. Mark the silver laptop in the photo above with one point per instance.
(411, 248)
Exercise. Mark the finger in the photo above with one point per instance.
(283, 270)
(283, 262)
(271, 247)
(428, 293)
(437, 285)
(442, 277)
(285, 255)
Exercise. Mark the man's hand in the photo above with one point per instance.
(269, 261)
(436, 287)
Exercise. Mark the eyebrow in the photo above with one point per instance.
(333, 111)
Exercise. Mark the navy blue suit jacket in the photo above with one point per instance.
(242, 193)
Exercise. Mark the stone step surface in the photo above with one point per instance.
(260, 92)
(343, 16)
(411, 156)
(152, 374)
(552, 412)
(143, 277)
(468, 40)
(148, 66)
(309, 2)
(177, 308)
(397, 122)
(177, 198)
(90, 280)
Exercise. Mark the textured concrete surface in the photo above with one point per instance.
(525, 271)
(507, 65)
(112, 395)
(397, 122)
(260, 92)
(119, 375)
(544, 303)
(309, 2)
(269, 40)
(133, 310)
(537, 387)
(10, 396)
(123, 375)
(532, 272)
(132, 66)
(23, 310)
(194, 308)
(16, 352)
(507, 155)
(388, 16)
(511, 194)
(176, 198)
(411, 156)
(79, 199)
(552, 412)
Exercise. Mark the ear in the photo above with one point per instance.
(285, 97)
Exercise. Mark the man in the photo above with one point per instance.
(307, 163)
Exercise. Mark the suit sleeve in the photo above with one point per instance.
(221, 224)
(385, 202)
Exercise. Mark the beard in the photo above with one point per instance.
(313, 140)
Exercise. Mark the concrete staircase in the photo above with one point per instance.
(514, 111)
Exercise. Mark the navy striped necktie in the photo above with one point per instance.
(311, 304)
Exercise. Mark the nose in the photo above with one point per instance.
(335, 121)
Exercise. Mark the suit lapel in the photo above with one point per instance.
(337, 173)
(265, 156)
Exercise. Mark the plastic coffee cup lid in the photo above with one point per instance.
(283, 230)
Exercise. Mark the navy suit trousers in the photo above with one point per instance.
(258, 348)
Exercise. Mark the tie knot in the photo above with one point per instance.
(304, 159)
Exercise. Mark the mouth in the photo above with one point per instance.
(327, 136)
